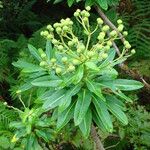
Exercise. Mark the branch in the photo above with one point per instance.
(108, 22)
(99, 145)
(133, 74)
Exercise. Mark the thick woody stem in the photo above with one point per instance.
(99, 145)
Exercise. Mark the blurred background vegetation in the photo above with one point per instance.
(21, 22)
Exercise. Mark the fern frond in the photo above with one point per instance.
(6, 116)
(138, 23)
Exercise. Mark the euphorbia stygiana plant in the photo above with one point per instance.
(82, 83)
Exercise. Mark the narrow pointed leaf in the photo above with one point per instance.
(34, 52)
(85, 125)
(109, 59)
(54, 100)
(27, 67)
(30, 141)
(65, 117)
(46, 81)
(98, 121)
(103, 4)
(79, 74)
(118, 102)
(103, 113)
(82, 105)
(123, 96)
(68, 96)
(49, 49)
(93, 87)
(92, 66)
(116, 111)
(127, 85)
(42, 134)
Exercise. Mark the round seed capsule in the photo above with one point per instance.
(107, 47)
(85, 19)
(54, 41)
(113, 33)
(109, 43)
(120, 27)
(58, 30)
(42, 63)
(76, 62)
(119, 21)
(53, 60)
(49, 37)
(43, 55)
(128, 46)
(100, 21)
(64, 59)
(104, 55)
(71, 68)
(88, 8)
(65, 28)
(56, 25)
(125, 33)
(133, 51)
(91, 53)
(76, 14)
(60, 47)
(105, 28)
(58, 70)
(70, 43)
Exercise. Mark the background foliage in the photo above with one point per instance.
(21, 23)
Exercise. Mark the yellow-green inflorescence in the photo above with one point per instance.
(73, 50)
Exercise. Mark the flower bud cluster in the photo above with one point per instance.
(72, 50)
(83, 13)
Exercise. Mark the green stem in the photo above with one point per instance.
(22, 101)
(88, 42)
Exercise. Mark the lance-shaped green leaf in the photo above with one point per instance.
(85, 125)
(118, 102)
(54, 100)
(103, 4)
(70, 2)
(42, 134)
(89, 2)
(46, 81)
(68, 80)
(82, 106)
(119, 61)
(95, 88)
(34, 52)
(27, 67)
(25, 87)
(98, 121)
(36, 145)
(108, 73)
(92, 66)
(123, 96)
(68, 96)
(65, 116)
(127, 85)
(103, 113)
(78, 74)
(116, 110)
(49, 50)
(30, 141)
(109, 59)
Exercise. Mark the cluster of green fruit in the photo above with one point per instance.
(72, 50)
